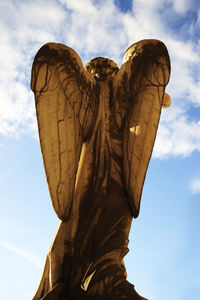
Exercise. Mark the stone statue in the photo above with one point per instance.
(97, 127)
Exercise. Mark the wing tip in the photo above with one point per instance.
(152, 50)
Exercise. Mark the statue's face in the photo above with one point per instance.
(102, 68)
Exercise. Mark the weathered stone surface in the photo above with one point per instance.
(97, 128)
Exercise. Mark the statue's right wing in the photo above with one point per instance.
(66, 105)
(139, 93)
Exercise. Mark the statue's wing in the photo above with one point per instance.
(139, 92)
(66, 105)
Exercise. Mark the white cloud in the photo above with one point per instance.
(24, 253)
(17, 111)
(177, 134)
(80, 6)
(30, 25)
(195, 186)
(96, 28)
(41, 14)
(178, 138)
(185, 81)
(182, 6)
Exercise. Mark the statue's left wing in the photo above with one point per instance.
(66, 105)
(139, 92)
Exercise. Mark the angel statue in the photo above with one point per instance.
(97, 127)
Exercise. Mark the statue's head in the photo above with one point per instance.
(102, 68)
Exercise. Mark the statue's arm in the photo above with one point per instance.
(65, 106)
(139, 87)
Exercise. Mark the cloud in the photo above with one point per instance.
(99, 28)
(178, 137)
(195, 186)
(24, 253)
(17, 111)
(29, 25)
(95, 30)
(182, 6)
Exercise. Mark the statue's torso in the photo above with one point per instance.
(101, 156)
(100, 199)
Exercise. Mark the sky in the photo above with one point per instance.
(163, 262)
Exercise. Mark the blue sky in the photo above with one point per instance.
(164, 260)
